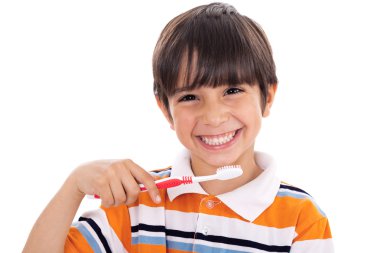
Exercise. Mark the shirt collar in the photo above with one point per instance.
(241, 200)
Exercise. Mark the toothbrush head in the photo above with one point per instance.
(229, 172)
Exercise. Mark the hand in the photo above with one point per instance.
(115, 181)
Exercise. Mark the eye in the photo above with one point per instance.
(186, 98)
(233, 90)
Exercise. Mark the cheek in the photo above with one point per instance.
(183, 127)
(182, 122)
(250, 114)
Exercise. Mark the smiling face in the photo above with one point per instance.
(214, 79)
(218, 125)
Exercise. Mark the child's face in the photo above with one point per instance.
(218, 125)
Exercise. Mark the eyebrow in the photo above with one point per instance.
(182, 89)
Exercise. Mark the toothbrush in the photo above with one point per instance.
(222, 173)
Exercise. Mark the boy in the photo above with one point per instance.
(214, 80)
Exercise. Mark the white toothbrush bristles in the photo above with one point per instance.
(222, 173)
(229, 172)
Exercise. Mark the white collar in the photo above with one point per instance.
(249, 200)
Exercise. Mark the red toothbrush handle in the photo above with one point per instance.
(171, 182)
(164, 183)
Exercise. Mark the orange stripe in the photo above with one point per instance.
(148, 248)
(75, 242)
(318, 230)
(273, 216)
(185, 203)
(311, 224)
(292, 209)
(118, 218)
(177, 251)
(288, 207)
(281, 207)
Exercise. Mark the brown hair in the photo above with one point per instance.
(230, 49)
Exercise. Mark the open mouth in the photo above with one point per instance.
(217, 140)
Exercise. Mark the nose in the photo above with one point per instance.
(214, 113)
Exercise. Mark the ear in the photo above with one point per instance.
(165, 112)
(270, 98)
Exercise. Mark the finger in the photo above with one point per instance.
(102, 189)
(131, 187)
(142, 176)
(118, 192)
(106, 196)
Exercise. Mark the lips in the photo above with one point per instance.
(217, 140)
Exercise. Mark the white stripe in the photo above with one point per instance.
(235, 228)
(216, 225)
(148, 233)
(100, 217)
(229, 227)
(94, 235)
(181, 220)
(149, 215)
(314, 246)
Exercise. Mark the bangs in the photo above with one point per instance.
(215, 55)
(209, 47)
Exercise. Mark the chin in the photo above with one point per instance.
(220, 161)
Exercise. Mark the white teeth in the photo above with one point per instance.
(213, 141)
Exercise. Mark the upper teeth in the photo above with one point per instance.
(219, 140)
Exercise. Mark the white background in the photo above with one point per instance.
(76, 85)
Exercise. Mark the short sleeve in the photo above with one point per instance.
(103, 230)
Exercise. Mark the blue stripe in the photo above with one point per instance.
(160, 173)
(204, 248)
(153, 240)
(300, 196)
(90, 239)
(292, 194)
(180, 246)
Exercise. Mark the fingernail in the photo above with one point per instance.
(157, 199)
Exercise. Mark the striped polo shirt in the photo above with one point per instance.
(264, 215)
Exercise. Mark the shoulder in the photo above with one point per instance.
(299, 200)
(294, 207)
(310, 222)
